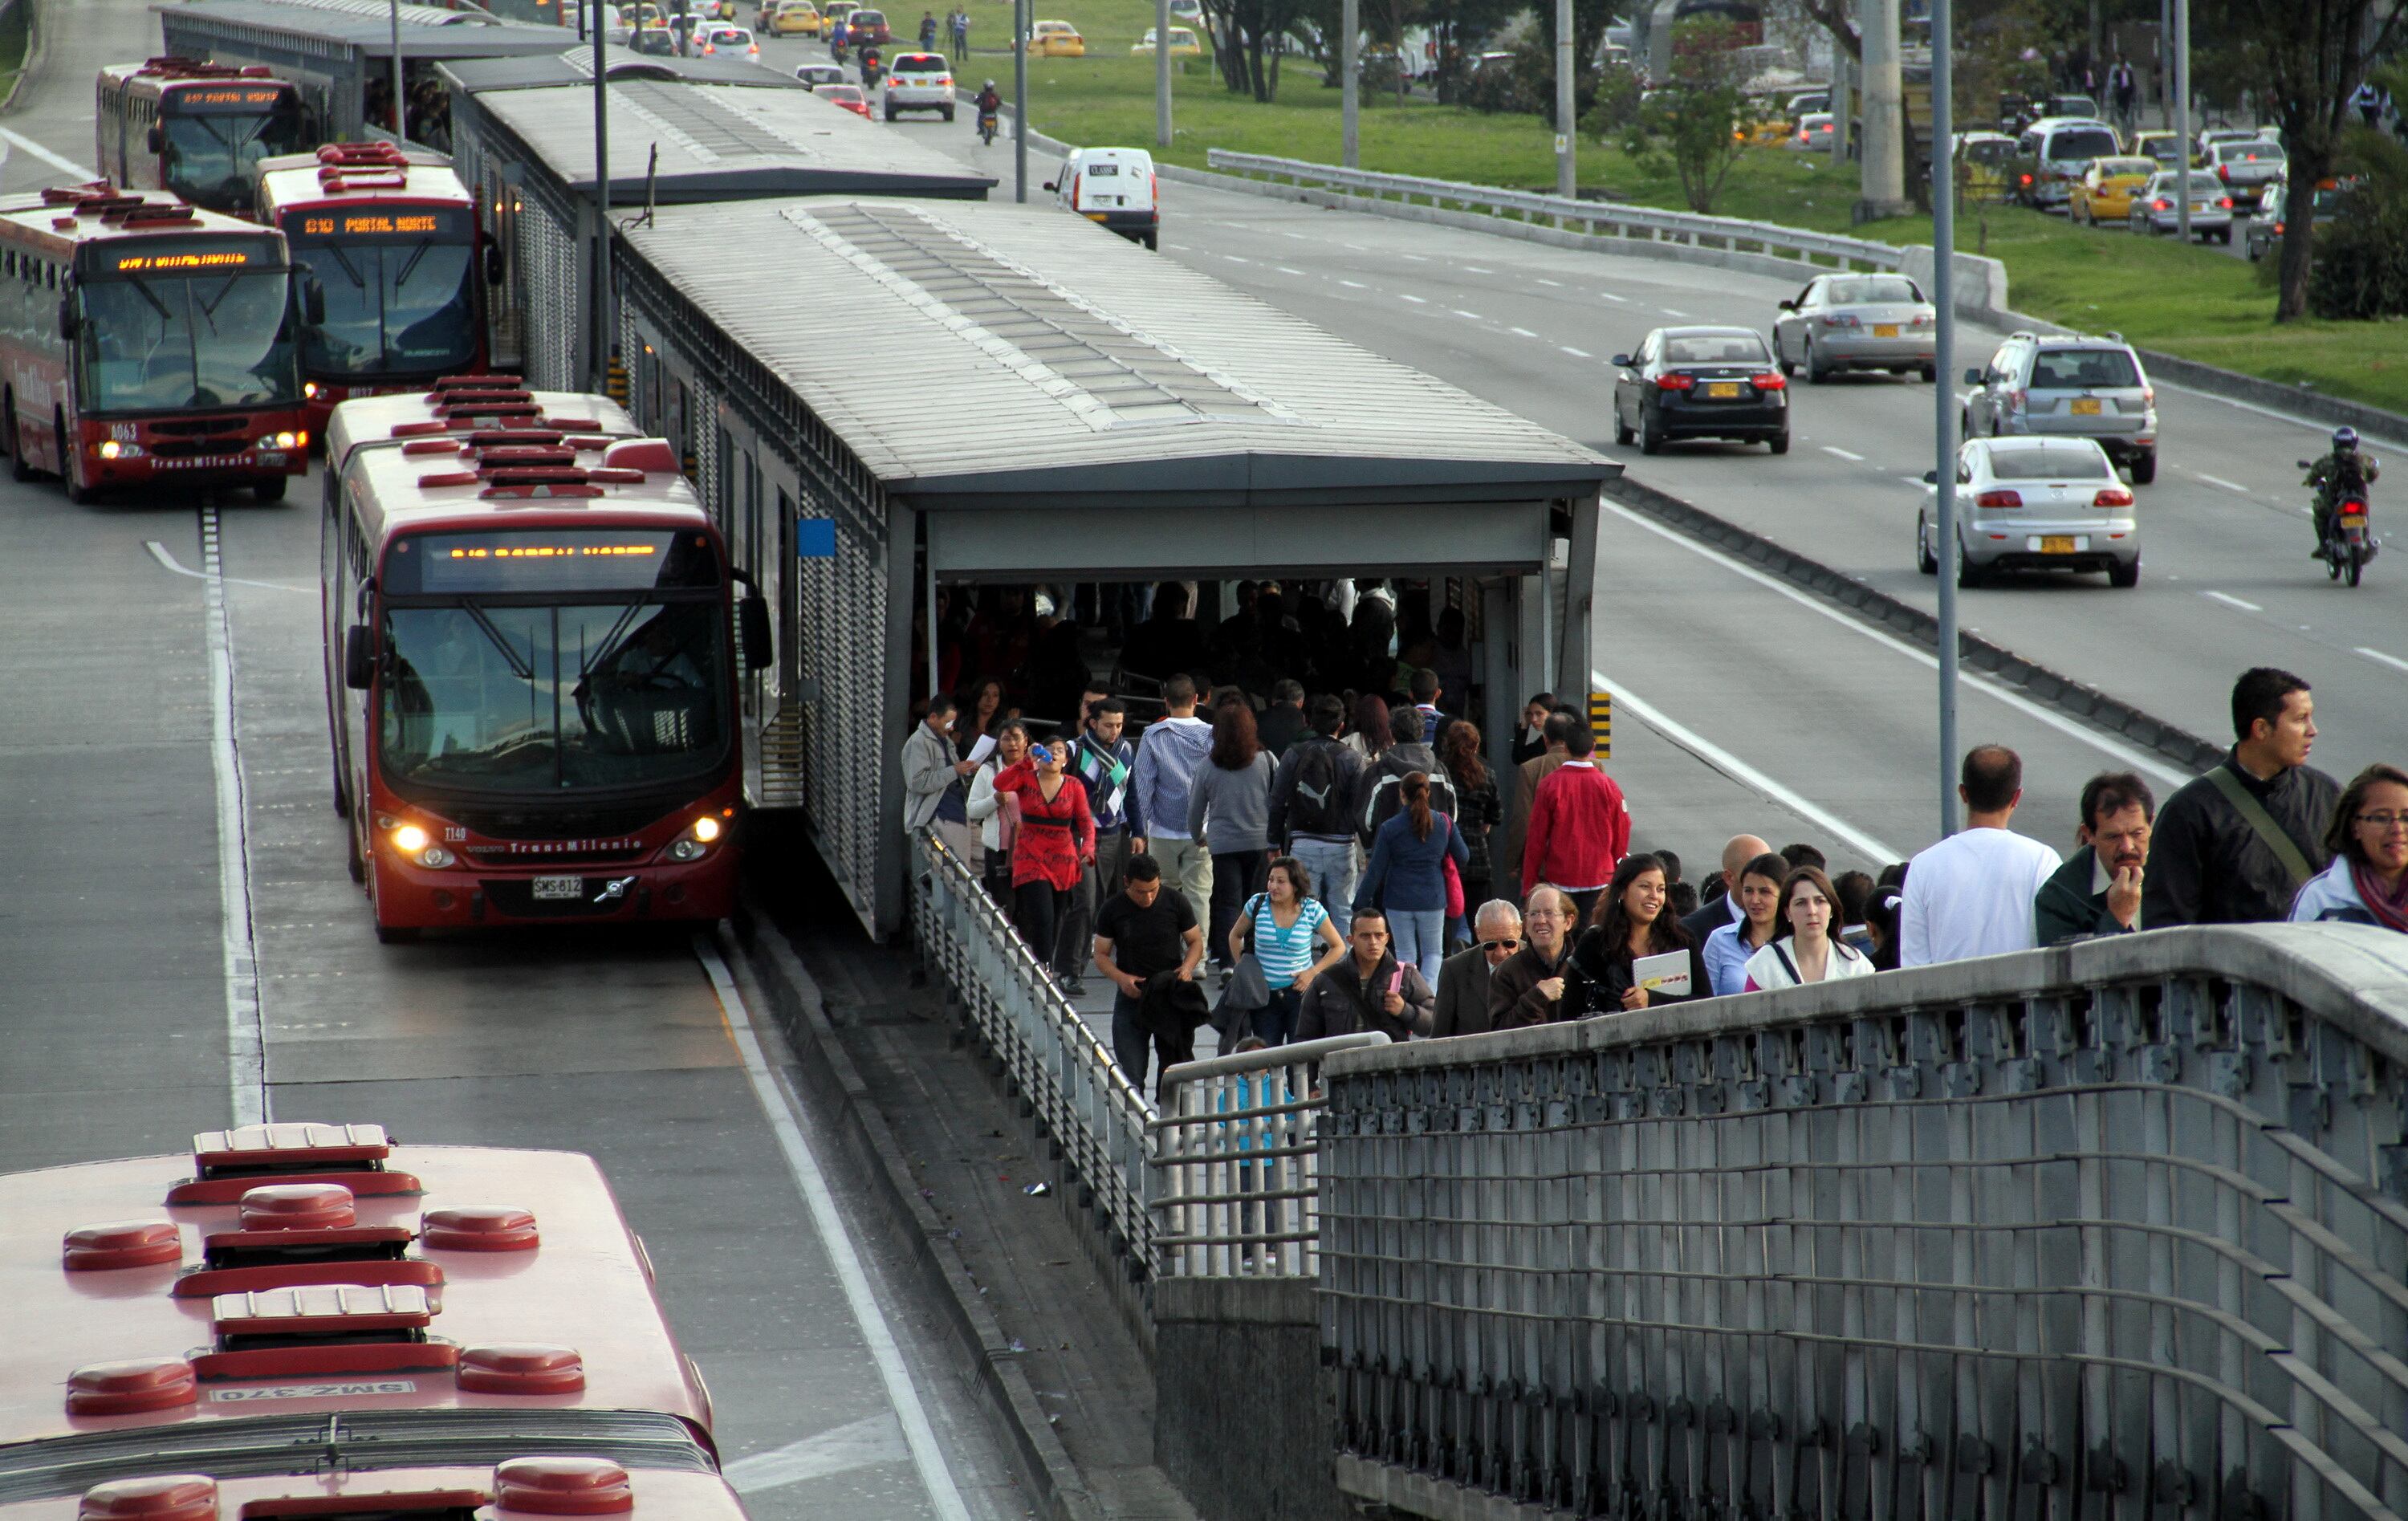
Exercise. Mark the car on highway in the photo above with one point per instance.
(1856, 323)
(2266, 228)
(848, 96)
(2105, 191)
(1114, 187)
(791, 18)
(1057, 39)
(654, 42)
(1701, 383)
(2205, 144)
(2033, 504)
(2052, 154)
(867, 29)
(1814, 132)
(835, 11)
(2161, 145)
(2074, 386)
(2211, 209)
(1183, 43)
(917, 81)
(1806, 102)
(815, 75)
(1983, 162)
(721, 38)
(2245, 169)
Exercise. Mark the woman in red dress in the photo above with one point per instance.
(1055, 843)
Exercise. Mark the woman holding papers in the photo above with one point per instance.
(1805, 950)
(1635, 955)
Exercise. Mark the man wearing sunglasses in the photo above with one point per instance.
(1462, 1006)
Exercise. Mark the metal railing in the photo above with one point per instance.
(1064, 1072)
(1234, 1187)
(1597, 218)
(2116, 1230)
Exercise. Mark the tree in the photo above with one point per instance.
(1247, 38)
(2308, 56)
(1693, 120)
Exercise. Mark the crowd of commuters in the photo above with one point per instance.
(1341, 861)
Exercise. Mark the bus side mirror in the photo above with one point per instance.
(493, 263)
(156, 141)
(359, 657)
(752, 627)
(70, 323)
(313, 303)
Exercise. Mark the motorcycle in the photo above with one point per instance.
(871, 68)
(2349, 541)
(986, 128)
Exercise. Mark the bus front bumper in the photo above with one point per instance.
(409, 895)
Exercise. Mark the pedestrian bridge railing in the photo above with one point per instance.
(1597, 218)
(2116, 1230)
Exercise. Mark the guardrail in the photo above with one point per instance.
(1597, 218)
(2113, 1230)
(1235, 1189)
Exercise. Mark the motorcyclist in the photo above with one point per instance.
(990, 100)
(871, 66)
(2341, 471)
(837, 39)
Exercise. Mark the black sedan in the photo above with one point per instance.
(1701, 383)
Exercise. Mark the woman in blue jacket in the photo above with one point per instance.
(1407, 876)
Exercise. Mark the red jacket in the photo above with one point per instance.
(1580, 829)
(1055, 838)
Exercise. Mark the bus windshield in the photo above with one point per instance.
(170, 342)
(210, 159)
(393, 306)
(535, 699)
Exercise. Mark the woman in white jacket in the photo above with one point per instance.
(2367, 881)
(997, 814)
(1803, 949)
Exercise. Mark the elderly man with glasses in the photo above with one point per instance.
(1462, 1007)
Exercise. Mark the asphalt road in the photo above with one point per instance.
(180, 898)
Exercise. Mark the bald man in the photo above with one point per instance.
(1710, 917)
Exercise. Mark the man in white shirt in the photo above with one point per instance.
(1972, 893)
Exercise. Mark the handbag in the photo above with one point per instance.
(1248, 988)
(1453, 881)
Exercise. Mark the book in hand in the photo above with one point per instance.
(1666, 975)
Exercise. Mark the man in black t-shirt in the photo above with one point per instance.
(1143, 931)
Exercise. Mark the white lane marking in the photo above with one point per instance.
(1475, 269)
(1521, 332)
(1468, 316)
(1556, 283)
(1414, 299)
(1285, 271)
(1576, 354)
(1356, 246)
(2277, 416)
(855, 1445)
(1914, 480)
(1415, 257)
(237, 951)
(2234, 602)
(1744, 774)
(68, 165)
(2388, 660)
(1834, 449)
(1237, 258)
(1671, 312)
(780, 1105)
(2219, 481)
(1355, 284)
(2131, 759)
(1608, 296)
(1177, 248)
(159, 553)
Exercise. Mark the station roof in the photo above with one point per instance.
(575, 65)
(719, 142)
(366, 28)
(1072, 363)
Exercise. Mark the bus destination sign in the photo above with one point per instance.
(449, 223)
(531, 560)
(228, 97)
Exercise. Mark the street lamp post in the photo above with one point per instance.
(2182, 119)
(1567, 170)
(1020, 25)
(1943, 397)
(1350, 92)
(1162, 72)
(400, 120)
(601, 355)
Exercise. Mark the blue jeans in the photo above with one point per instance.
(1331, 866)
(1275, 1021)
(1419, 936)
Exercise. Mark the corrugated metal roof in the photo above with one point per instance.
(996, 354)
(721, 143)
(575, 65)
(427, 31)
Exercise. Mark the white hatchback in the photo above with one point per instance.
(917, 81)
(2033, 504)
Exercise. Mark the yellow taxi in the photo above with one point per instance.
(788, 17)
(835, 11)
(1982, 164)
(1057, 39)
(1183, 43)
(2105, 191)
(1762, 123)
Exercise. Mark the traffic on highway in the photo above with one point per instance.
(705, 922)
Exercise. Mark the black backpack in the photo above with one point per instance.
(1321, 799)
(1385, 800)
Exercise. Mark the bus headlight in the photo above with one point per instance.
(409, 839)
(706, 829)
(284, 440)
(309, 389)
(111, 450)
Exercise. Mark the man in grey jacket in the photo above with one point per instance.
(930, 767)
(1168, 755)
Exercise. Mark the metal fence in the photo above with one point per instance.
(1235, 1186)
(2119, 1229)
(1595, 217)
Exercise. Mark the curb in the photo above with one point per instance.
(912, 1227)
(36, 42)
(2185, 750)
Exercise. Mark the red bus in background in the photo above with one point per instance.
(387, 247)
(198, 129)
(145, 343)
(532, 679)
(315, 1313)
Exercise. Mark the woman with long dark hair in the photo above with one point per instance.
(983, 711)
(1229, 810)
(1808, 949)
(1367, 735)
(1477, 813)
(1055, 843)
(1758, 892)
(997, 814)
(1631, 923)
(1291, 934)
(1407, 875)
(2367, 881)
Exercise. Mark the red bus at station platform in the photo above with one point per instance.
(532, 660)
(388, 252)
(194, 128)
(145, 344)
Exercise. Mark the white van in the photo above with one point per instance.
(1114, 186)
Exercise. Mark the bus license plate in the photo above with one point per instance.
(1722, 391)
(559, 889)
(2086, 407)
(1884, 330)
(2057, 544)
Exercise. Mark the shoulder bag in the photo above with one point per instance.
(2269, 834)
(1249, 987)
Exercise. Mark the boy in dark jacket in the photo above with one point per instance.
(2097, 890)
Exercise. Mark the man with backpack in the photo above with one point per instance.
(1313, 807)
(1376, 798)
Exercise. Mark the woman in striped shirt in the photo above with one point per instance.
(1285, 924)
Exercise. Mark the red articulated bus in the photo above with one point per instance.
(531, 677)
(198, 129)
(312, 1320)
(145, 343)
(387, 247)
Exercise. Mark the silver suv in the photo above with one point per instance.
(2068, 387)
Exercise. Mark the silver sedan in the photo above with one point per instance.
(1857, 322)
